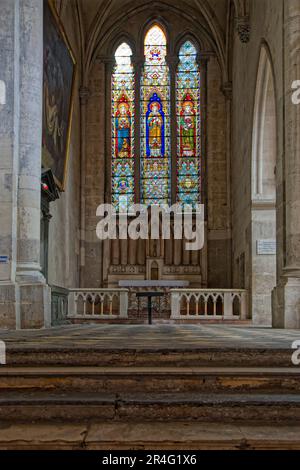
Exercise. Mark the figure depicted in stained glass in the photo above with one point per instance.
(123, 129)
(123, 115)
(188, 127)
(155, 120)
(155, 128)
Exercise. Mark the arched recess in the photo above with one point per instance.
(264, 145)
(131, 26)
(263, 180)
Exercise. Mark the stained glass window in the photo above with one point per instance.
(188, 126)
(155, 120)
(123, 129)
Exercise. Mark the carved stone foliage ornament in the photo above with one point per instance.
(243, 28)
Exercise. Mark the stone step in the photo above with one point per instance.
(141, 407)
(151, 379)
(24, 355)
(172, 435)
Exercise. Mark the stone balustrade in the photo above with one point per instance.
(209, 304)
(98, 303)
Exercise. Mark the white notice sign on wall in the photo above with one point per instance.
(266, 247)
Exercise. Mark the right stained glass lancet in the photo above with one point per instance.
(188, 126)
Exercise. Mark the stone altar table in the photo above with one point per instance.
(161, 306)
(156, 284)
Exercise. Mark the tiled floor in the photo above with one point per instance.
(168, 337)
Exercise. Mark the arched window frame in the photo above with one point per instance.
(123, 128)
(188, 100)
(155, 108)
(173, 48)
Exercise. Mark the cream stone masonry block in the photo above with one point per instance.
(8, 301)
(6, 150)
(2, 93)
(27, 162)
(5, 271)
(35, 306)
(27, 224)
(6, 243)
(29, 199)
(29, 182)
(286, 304)
(6, 218)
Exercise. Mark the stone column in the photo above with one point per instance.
(84, 94)
(35, 299)
(28, 299)
(138, 67)
(30, 135)
(9, 144)
(173, 63)
(286, 307)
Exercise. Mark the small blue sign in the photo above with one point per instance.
(4, 259)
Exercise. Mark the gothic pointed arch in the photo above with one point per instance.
(123, 117)
(155, 145)
(188, 89)
(264, 144)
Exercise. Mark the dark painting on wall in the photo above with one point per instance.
(58, 88)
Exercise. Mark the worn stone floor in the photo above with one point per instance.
(152, 337)
(153, 436)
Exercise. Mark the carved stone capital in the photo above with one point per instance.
(172, 61)
(109, 62)
(242, 24)
(137, 62)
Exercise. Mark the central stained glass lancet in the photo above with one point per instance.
(155, 120)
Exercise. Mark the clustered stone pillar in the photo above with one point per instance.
(8, 163)
(24, 295)
(286, 312)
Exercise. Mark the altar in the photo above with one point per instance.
(161, 305)
(153, 284)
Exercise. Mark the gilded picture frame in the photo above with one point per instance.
(58, 96)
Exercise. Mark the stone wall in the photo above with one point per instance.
(94, 176)
(218, 196)
(266, 21)
(65, 222)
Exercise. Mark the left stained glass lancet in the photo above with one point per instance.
(188, 127)
(123, 129)
(155, 120)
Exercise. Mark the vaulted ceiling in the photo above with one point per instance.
(98, 18)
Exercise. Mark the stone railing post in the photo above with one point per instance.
(228, 305)
(175, 305)
(123, 309)
(244, 305)
(72, 305)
